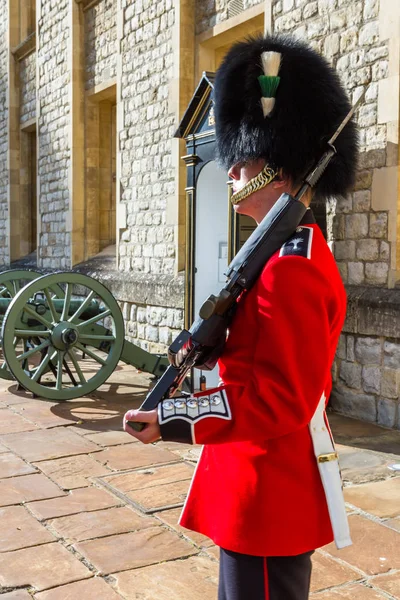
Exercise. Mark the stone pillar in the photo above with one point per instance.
(76, 179)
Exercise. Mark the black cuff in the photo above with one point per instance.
(177, 416)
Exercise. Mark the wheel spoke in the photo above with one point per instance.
(28, 333)
(82, 307)
(67, 301)
(41, 368)
(75, 362)
(94, 319)
(54, 314)
(60, 358)
(35, 315)
(106, 338)
(32, 351)
(16, 286)
(91, 354)
(9, 288)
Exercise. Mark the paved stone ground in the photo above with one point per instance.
(86, 512)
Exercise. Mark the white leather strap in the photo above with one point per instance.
(328, 466)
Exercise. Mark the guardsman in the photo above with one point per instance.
(267, 487)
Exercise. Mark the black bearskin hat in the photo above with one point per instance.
(310, 103)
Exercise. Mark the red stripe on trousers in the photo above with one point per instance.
(266, 586)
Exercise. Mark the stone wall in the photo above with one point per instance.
(4, 258)
(100, 43)
(212, 12)
(366, 373)
(147, 244)
(54, 152)
(27, 76)
(347, 34)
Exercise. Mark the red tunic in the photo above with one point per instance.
(257, 489)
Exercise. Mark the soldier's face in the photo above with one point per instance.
(258, 204)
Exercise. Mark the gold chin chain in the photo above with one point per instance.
(257, 183)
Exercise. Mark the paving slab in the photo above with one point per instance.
(150, 477)
(17, 595)
(393, 523)
(88, 589)
(346, 429)
(27, 488)
(195, 578)
(41, 567)
(43, 413)
(12, 466)
(10, 422)
(375, 547)
(99, 523)
(81, 500)
(45, 444)
(131, 456)
(101, 425)
(110, 438)
(133, 550)
(369, 436)
(3, 449)
(21, 529)
(387, 583)
(352, 592)
(327, 572)
(171, 518)
(362, 466)
(213, 551)
(381, 498)
(71, 472)
(170, 495)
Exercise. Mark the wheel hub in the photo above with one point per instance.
(64, 336)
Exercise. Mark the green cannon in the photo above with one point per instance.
(62, 334)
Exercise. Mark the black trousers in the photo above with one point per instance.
(244, 577)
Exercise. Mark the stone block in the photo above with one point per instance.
(367, 249)
(361, 201)
(348, 40)
(310, 10)
(371, 380)
(357, 405)
(342, 266)
(391, 355)
(350, 373)
(355, 273)
(350, 348)
(387, 412)
(369, 34)
(378, 225)
(368, 350)
(376, 273)
(390, 383)
(363, 180)
(384, 251)
(344, 250)
(356, 226)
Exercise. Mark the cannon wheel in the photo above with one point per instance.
(56, 371)
(11, 282)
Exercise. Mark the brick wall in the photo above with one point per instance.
(147, 177)
(4, 258)
(53, 134)
(100, 43)
(27, 75)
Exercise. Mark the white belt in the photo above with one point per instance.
(328, 466)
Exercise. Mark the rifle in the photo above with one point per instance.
(202, 344)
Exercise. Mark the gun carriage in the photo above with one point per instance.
(62, 335)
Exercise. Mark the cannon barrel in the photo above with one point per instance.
(41, 307)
